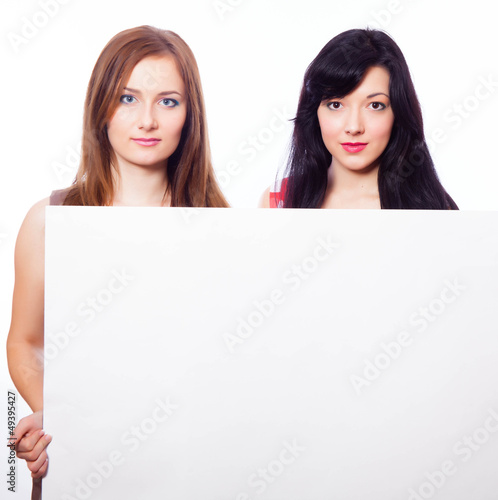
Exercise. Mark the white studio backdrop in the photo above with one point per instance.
(252, 56)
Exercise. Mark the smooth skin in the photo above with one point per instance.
(25, 340)
(152, 106)
(364, 116)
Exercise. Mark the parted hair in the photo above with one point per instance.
(191, 178)
(407, 178)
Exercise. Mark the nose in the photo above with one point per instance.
(147, 118)
(354, 123)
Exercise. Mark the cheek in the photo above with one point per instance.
(121, 117)
(330, 128)
(113, 131)
(117, 124)
(382, 129)
(176, 124)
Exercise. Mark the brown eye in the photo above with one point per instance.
(334, 105)
(377, 106)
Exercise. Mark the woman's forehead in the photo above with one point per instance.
(156, 73)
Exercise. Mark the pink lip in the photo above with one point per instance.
(354, 147)
(146, 142)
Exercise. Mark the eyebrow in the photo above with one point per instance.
(378, 93)
(166, 92)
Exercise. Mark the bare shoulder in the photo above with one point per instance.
(264, 201)
(31, 238)
(29, 260)
(37, 211)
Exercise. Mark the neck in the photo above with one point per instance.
(140, 187)
(351, 189)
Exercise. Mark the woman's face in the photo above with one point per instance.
(357, 128)
(146, 127)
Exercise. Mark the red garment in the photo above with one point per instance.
(277, 197)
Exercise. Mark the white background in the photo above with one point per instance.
(252, 58)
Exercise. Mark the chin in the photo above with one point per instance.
(363, 169)
(155, 162)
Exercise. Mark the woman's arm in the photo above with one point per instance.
(264, 201)
(25, 340)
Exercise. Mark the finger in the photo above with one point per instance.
(27, 425)
(28, 442)
(19, 432)
(35, 465)
(42, 471)
(21, 428)
(33, 454)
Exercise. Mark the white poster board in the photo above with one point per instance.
(233, 354)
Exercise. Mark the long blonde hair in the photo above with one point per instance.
(191, 178)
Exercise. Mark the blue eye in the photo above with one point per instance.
(127, 99)
(169, 103)
(377, 106)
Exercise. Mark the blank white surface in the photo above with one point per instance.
(196, 273)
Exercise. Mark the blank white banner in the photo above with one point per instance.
(232, 354)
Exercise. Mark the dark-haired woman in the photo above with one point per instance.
(358, 139)
(145, 143)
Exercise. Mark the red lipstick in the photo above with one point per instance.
(147, 142)
(354, 147)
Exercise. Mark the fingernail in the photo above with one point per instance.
(48, 437)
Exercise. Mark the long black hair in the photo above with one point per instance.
(406, 177)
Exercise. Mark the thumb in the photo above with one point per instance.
(27, 425)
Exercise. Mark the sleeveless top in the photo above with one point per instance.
(277, 197)
(58, 196)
